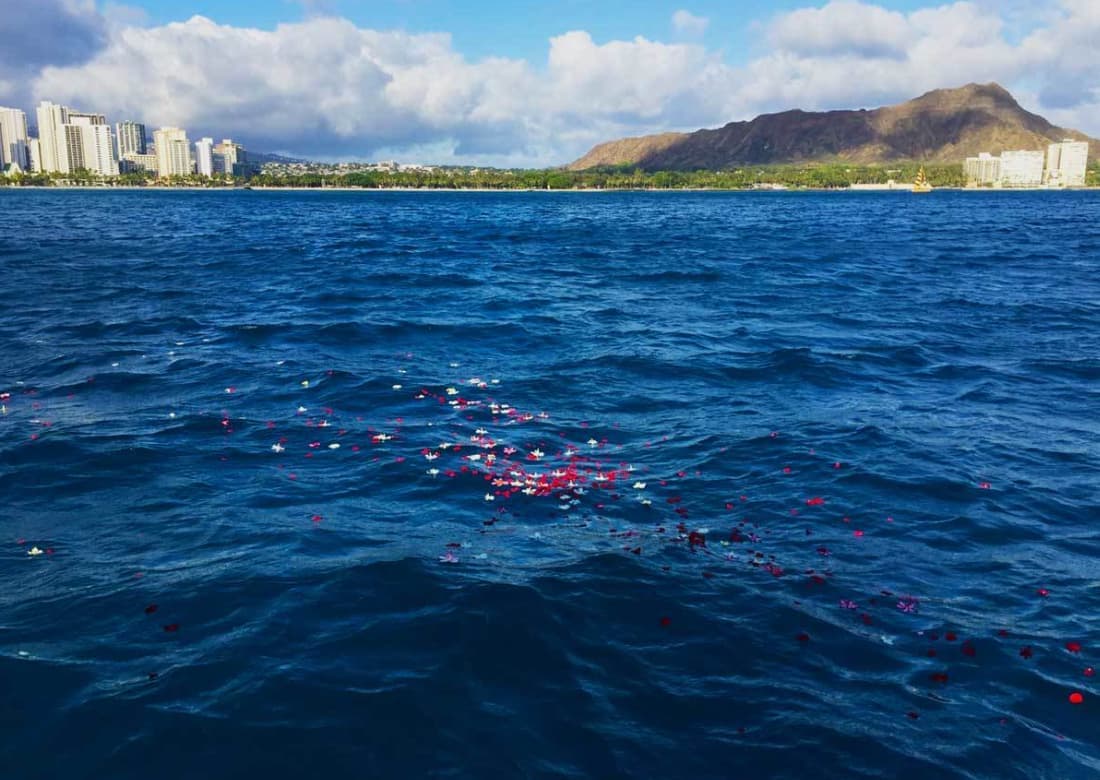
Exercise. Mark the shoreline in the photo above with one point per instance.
(853, 189)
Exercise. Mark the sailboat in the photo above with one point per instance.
(921, 185)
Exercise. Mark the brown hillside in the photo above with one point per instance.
(945, 125)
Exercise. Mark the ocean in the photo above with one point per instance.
(549, 485)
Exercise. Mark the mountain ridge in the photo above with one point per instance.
(941, 126)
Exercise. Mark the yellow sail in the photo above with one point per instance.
(921, 185)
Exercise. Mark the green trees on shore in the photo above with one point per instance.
(619, 178)
(807, 176)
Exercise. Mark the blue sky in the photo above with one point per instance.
(483, 28)
(538, 83)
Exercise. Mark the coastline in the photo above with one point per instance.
(856, 189)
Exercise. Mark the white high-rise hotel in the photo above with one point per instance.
(13, 139)
(72, 140)
(1067, 163)
(173, 152)
(204, 157)
(130, 137)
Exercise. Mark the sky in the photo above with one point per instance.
(533, 83)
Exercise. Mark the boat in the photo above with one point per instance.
(921, 185)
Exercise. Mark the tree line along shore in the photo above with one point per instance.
(820, 176)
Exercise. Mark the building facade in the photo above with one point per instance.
(13, 138)
(130, 137)
(173, 152)
(52, 118)
(1066, 163)
(983, 170)
(1022, 169)
(133, 162)
(204, 157)
(34, 155)
(90, 144)
(227, 156)
(99, 150)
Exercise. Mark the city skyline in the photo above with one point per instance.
(67, 141)
(478, 85)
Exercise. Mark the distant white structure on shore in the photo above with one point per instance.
(983, 170)
(1021, 169)
(13, 139)
(1065, 166)
(173, 152)
(1067, 163)
(71, 141)
(131, 138)
(204, 157)
(135, 162)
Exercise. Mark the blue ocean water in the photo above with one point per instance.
(549, 485)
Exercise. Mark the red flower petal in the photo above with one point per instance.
(1073, 647)
(171, 628)
(1076, 698)
(149, 610)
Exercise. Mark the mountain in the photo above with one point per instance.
(942, 126)
(267, 157)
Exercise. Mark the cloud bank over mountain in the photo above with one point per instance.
(324, 87)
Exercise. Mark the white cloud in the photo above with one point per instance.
(687, 23)
(326, 87)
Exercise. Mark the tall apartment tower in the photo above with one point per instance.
(130, 137)
(13, 138)
(90, 145)
(204, 157)
(34, 155)
(1067, 163)
(173, 152)
(227, 156)
(51, 136)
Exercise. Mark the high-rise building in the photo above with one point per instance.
(99, 150)
(985, 169)
(173, 152)
(1067, 162)
(1021, 169)
(13, 138)
(34, 154)
(90, 145)
(72, 148)
(130, 137)
(51, 119)
(227, 156)
(85, 118)
(204, 157)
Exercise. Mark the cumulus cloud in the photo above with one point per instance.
(825, 58)
(843, 28)
(326, 87)
(687, 23)
(326, 84)
(45, 32)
